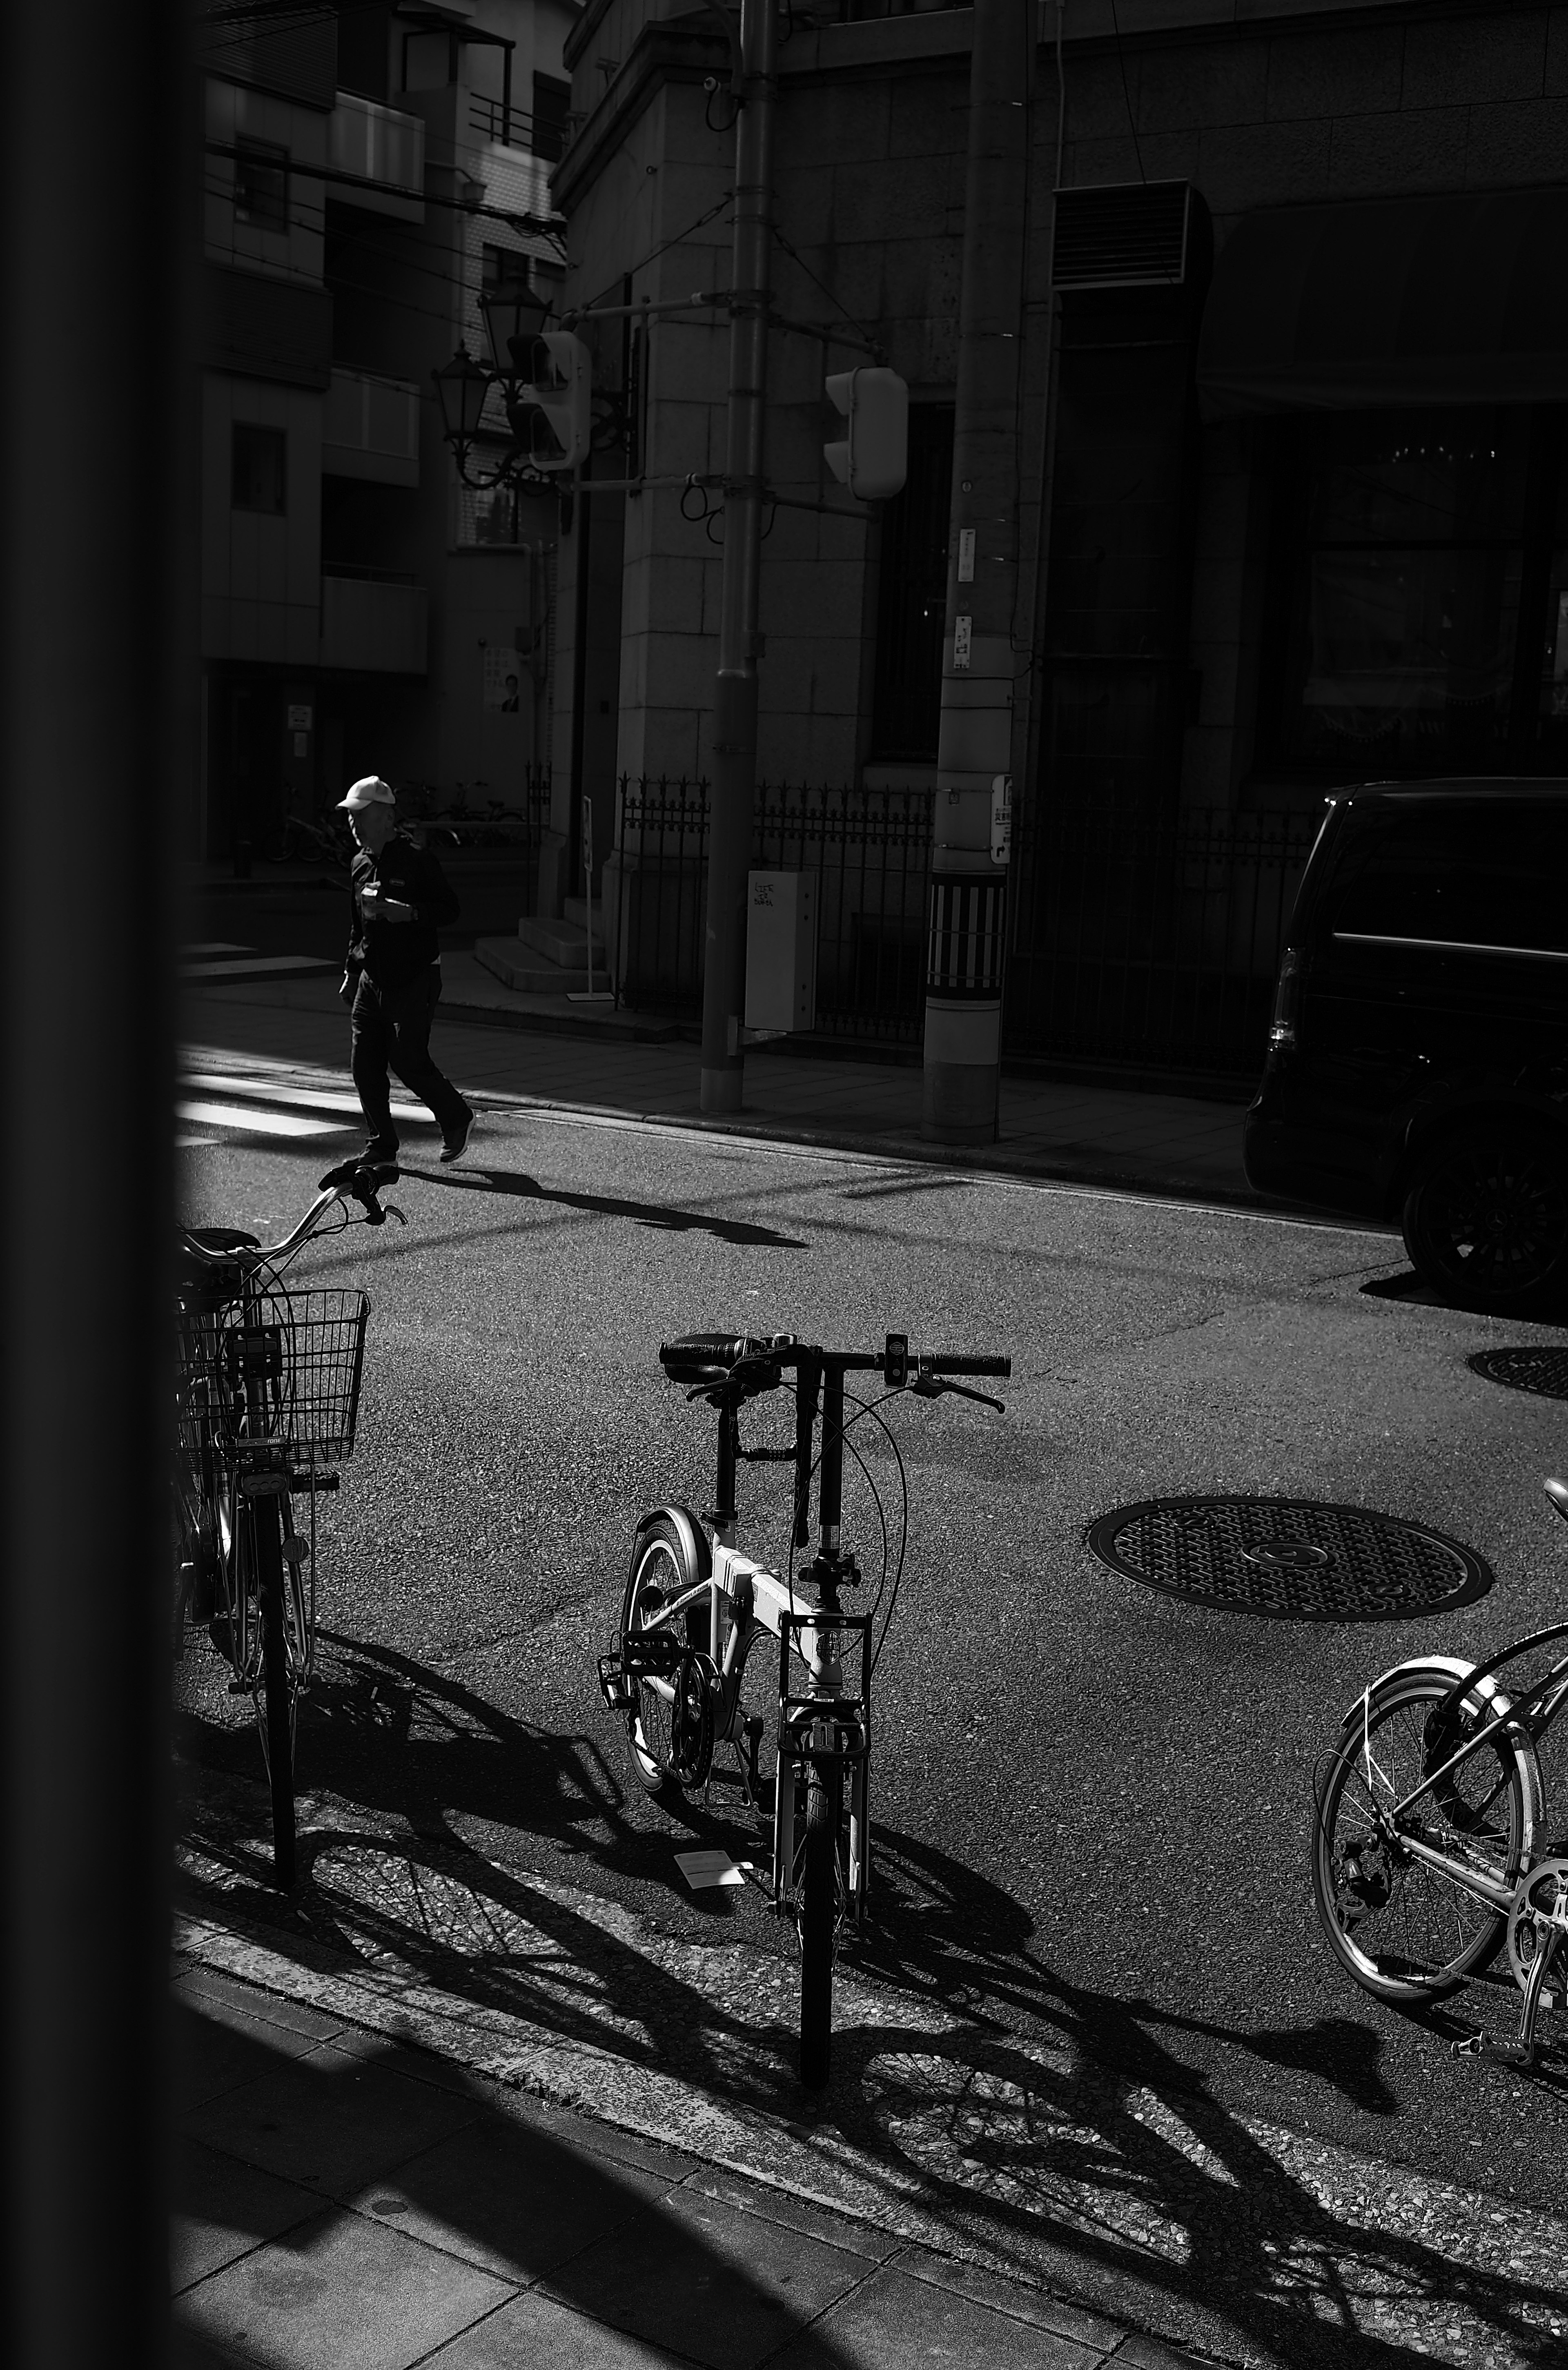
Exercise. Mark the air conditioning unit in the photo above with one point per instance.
(1126, 234)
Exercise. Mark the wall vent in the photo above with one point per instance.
(1131, 234)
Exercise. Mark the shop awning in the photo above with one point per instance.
(1398, 301)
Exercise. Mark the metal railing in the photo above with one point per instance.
(1150, 943)
(1130, 941)
(870, 850)
(513, 127)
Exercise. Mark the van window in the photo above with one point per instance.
(1486, 878)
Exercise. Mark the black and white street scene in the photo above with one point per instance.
(789, 1221)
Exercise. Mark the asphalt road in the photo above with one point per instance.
(1092, 1799)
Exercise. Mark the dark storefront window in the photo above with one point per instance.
(1419, 623)
(912, 598)
(261, 186)
(259, 469)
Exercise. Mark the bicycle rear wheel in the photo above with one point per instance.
(819, 1909)
(1405, 1931)
(275, 1694)
(661, 1569)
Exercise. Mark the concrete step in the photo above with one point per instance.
(519, 967)
(558, 942)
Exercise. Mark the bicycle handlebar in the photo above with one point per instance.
(352, 1179)
(703, 1360)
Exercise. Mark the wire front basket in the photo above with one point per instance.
(284, 1373)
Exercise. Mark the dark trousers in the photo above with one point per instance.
(391, 1026)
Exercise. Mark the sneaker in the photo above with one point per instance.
(454, 1146)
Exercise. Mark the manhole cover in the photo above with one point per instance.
(1289, 1558)
(1545, 1372)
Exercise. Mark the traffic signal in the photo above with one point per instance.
(873, 459)
(563, 391)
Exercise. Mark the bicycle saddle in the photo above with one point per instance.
(224, 1238)
(1558, 1493)
(702, 1361)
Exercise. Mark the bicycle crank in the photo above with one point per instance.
(1538, 1923)
(691, 1719)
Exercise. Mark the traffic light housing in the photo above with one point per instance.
(563, 391)
(873, 459)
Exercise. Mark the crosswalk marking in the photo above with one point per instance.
(308, 1098)
(255, 1121)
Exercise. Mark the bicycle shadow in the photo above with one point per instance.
(1068, 2142)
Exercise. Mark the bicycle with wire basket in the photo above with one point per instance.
(1429, 1850)
(696, 1605)
(268, 1399)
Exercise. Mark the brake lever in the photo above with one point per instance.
(932, 1387)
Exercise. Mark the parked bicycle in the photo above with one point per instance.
(1429, 1850)
(268, 1398)
(696, 1606)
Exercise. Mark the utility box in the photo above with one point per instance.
(781, 950)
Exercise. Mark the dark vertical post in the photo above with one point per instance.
(734, 723)
(963, 1002)
(97, 688)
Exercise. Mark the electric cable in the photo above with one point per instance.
(794, 252)
(1126, 96)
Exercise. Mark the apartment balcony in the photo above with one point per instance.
(373, 623)
(381, 149)
(369, 428)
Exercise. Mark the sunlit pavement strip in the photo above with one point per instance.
(1260, 2247)
(255, 1121)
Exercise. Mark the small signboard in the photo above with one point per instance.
(966, 554)
(301, 719)
(963, 628)
(1001, 818)
(504, 678)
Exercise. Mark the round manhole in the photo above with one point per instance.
(1291, 1558)
(1545, 1372)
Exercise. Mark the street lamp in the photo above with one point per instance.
(461, 386)
(514, 316)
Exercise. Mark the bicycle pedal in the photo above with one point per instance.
(240, 1688)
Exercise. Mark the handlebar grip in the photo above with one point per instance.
(1002, 1367)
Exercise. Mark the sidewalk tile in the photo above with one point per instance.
(222, 2209)
(341, 2293)
(668, 2165)
(216, 2048)
(328, 2120)
(1011, 2296)
(227, 2001)
(894, 2322)
(1137, 2353)
(532, 2332)
(516, 2202)
(740, 2285)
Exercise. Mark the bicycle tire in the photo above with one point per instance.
(1404, 1931)
(818, 1922)
(662, 1566)
(275, 1685)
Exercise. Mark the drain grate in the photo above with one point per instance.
(1545, 1372)
(1291, 1558)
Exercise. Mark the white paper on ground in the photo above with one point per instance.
(704, 1868)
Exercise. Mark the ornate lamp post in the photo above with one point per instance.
(513, 316)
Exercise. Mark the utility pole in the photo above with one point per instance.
(735, 738)
(964, 979)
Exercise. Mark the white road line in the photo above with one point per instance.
(256, 966)
(309, 1097)
(214, 946)
(254, 1123)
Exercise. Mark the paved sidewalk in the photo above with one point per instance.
(344, 2202)
(493, 1042)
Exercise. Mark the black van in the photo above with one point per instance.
(1418, 1060)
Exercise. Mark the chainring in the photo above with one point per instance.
(691, 1719)
(1538, 1920)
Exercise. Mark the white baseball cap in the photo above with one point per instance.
(370, 790)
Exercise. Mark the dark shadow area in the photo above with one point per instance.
(1070, 2144)
(657, 1215)
(280, 2131)
(1408, 1287)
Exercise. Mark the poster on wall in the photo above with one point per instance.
(504, 678)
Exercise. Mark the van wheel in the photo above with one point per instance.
(1486, 1223)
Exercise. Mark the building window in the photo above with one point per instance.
(259, 469)
(489, 516)
(1421, 593)
(261, 186)
(551, 100)
(906, 696)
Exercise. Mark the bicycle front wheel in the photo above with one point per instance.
(819, 1908)
(275, 1687)
(1404, 1931)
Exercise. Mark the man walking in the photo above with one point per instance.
(398, 897)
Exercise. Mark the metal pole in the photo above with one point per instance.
(734, 715)
(98, 652)
(969, 857)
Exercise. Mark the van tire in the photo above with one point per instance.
(1485, 1220)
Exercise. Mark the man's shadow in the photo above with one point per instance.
(603, 1205)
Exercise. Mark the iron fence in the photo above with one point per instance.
(870, 851)
(1150, 943)
(1154, 944)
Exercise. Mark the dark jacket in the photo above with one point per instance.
(392, 953)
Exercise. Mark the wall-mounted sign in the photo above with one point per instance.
(301, 719)
(966, 554)
(962, 627)
(504, 678)
(1001, 818)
